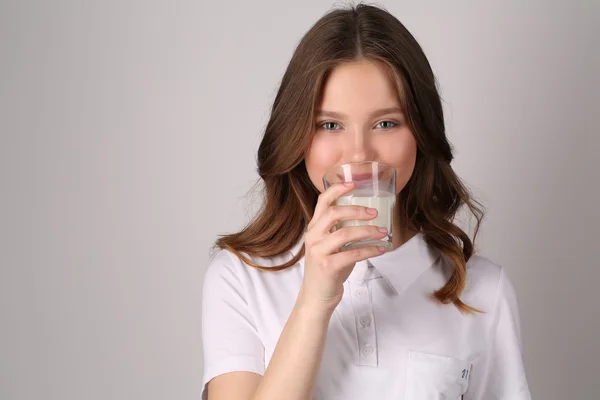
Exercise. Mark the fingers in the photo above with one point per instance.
(335, 214)
(334, 242)
(340, 261)
(328, 197)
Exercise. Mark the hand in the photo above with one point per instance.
(325, 267)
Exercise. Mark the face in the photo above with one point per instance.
(360, 119)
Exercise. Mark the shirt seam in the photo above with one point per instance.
(246, 296)
(488, 340)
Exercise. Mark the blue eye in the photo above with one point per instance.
(334, 126)
(329, 126)
(393, 124)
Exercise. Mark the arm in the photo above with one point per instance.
(233, 350)
(500, 373)
(297, 356)
(293, 367)
(234, 353)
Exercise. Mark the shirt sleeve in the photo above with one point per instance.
(230, 340)
(499, 374)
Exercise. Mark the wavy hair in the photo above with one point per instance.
(434, 194)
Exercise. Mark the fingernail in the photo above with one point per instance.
(372, 211)
(381, 249)
(348, 184)
(382, 229)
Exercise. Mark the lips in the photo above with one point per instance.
(361, 177)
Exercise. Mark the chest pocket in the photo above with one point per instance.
(435, 377)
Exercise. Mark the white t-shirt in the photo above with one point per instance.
(387, 339)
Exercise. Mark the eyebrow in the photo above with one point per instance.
(374, 114)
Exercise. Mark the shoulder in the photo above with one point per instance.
(224, 265)
(481, 269)
(224, 271)
(486, 281)
(229, 280)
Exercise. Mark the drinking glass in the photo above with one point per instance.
(375, 187)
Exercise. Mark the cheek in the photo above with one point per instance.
(405, 170)
(402, 154)
(319, 158)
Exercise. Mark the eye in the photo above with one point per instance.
(387, 124)
(329, 126)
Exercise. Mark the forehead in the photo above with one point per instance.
(360, 84)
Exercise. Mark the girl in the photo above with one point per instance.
(287, 315)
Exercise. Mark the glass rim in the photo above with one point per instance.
(379, 163)
(340, 173)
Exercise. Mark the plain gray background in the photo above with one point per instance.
(129, 131)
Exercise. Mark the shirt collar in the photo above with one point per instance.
(399, 267)
(402, 266)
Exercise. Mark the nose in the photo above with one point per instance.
(359, 146)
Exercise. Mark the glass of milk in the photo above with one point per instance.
(375, 187)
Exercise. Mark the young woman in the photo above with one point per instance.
(287, 315)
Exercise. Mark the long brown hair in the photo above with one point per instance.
(429, 201)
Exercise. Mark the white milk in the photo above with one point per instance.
(384, 203)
